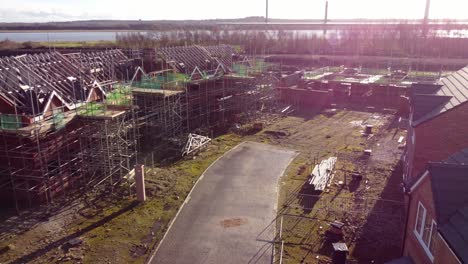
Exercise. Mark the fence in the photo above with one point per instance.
(10, 121)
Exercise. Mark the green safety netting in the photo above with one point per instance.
(240, 69)
(260, 66)
(59, 120)
(256, 67)
(10, 121)
(119, 96)
(92, 109)
(162, 81)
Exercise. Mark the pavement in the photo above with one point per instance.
(229, 217)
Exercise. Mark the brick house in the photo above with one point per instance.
(435, 180)
(438, 126)
(437, 219)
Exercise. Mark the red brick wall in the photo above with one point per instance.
(439, 138)
(305, 97)
(54, 104)
(413, 248)
(6, 108)
(96, 95)
(422, 194)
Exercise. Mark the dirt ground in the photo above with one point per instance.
(113, 228)
(371, 208)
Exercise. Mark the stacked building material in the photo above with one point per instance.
(322, 173)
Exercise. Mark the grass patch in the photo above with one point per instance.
(75, 44)
(135, 229)
(113, 227)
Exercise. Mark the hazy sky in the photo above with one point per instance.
(63, 10)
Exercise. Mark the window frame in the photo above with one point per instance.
(420, 233)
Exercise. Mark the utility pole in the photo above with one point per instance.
(266, 16)
(426, 14)
(325, 20)
(426, 18)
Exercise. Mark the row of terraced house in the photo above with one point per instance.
(436, 172)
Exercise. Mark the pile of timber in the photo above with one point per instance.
(322, 173)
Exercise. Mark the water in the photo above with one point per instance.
(58, 36)
(65, 36)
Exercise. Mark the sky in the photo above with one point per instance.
(68, 10)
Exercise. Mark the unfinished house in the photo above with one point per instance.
(197, 88)
(104, 66)
(323, 87)
(53, 133)
(73, 120)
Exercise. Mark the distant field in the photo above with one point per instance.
(77, 44)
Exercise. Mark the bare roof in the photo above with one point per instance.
(188, 58)
(29, 82)
(430, 101)
(449, 184)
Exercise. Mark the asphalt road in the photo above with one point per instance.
(229, 216)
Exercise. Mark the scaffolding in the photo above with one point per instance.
(108, 146)
(44, 160)
(80, 128)
(40, 160)
(58, 131)
(171, 104)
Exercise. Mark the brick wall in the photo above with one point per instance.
(438, 138)
(413, 248)
(305, 97)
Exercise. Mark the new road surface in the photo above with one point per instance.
(229, 216)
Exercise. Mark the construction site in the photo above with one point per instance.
(80, 120)
(75, 128)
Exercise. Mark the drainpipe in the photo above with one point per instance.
(408, 194)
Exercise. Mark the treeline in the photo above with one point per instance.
(122, 25)
(372, 42)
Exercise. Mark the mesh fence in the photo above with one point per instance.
(163, 81)
(92, 109)
(254, 68)
(59, 120)
(10, 121)
(120, 96)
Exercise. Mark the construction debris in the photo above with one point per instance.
(337, 227)
(72, 243)
(322, 174)
(194, 143)
(340, 252)
(287, 110)
(356, 176)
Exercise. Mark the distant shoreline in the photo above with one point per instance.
(68, 30)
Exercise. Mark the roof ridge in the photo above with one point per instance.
(459, 88)
(445, 164)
